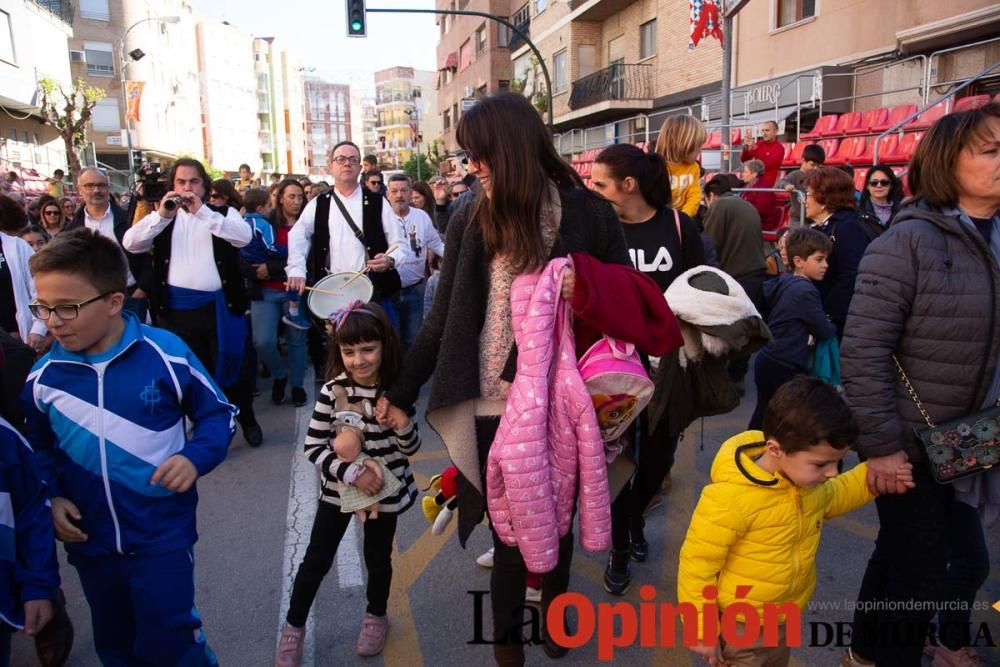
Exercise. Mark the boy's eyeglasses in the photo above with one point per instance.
(879, 183)
(65, 311)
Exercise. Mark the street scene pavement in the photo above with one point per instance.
(255, 515)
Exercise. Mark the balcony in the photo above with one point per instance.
(522, 21)
(61, 8)
(617, 83)
(598, 10)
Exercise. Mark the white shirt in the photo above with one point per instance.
(105, 226)
(346, 251)
(192, 258)
(418, 231)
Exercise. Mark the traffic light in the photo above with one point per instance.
(356, 18)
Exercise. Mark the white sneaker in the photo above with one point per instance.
(486, 560)
(533, 595)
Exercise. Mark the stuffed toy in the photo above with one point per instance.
(439, 504)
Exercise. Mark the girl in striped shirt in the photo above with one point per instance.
(365, 358)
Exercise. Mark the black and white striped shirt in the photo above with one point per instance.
(391, 446)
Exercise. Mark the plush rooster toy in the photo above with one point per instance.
(439, 503)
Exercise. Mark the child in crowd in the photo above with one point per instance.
(124, 419)
(29, 571)
(777, 258)
(679, 143)
(365, 358)
(794, 315)
(742, 533)
(34, 236)
(813, 157)
(56, 186)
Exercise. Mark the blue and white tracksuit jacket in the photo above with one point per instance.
(102, 424)
(28, 566)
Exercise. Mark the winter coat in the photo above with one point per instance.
(771, 153)
(849, 243)
(928, 291)
(548, 448)
(753, 528)
(794, 313)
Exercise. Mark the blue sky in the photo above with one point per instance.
(318, 32)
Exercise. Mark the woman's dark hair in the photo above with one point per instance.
(505, 132)
(370, 327)
(832, 188)
(253, 199)
(428, 195)
(648, 169)
(225, 187)
(13, 218)
(932, 168)
(806, 411)
(190, 162)
(895, 184)
(279, 214)
(35, 229)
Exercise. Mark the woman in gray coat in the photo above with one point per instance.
(928, 292)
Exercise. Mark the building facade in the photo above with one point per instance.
(328, 120)
(403, 97)
(473, 59)
(34, 43)
(280, 108)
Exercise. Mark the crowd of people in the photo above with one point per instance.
(135, 340)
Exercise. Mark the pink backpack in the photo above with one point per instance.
(617, 383)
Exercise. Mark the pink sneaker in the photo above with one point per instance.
(290, 647)
(371, 641)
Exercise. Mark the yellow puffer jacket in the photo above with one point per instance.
(755, 528)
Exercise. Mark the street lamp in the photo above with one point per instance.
(136, 54)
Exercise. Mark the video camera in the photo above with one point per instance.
(154, 181)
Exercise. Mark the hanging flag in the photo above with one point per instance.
(413, 131)
(705, 21)
(133, 97)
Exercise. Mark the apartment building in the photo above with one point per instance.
(280, 108)
(364, 120)
(160, 50)
(34, 40)
(328, 120)
(228, 95)
(473, 56)
(403, 97)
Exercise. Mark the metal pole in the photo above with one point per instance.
(727, 62)
(498, 19)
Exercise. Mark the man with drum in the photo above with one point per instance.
(347, 229)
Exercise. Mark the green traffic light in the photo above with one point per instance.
(355, 25)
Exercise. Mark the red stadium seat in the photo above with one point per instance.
(859, 179)
(870, 119)
(845, 123)
(928, 117)
(904, 151)
(897, 114)
(735, 136)
(887, 144)
(849, 151)
(830, 147)
(713, 141)
(793, 156)
(971, 102)
(824, 123)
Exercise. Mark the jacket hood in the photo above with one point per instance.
(921, 209)
(775, 287)
(735, 463)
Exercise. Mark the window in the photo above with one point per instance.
(503, 35)
(561, 82)
(793, 11)
(481, 39)
(647, 39)
(540, 6)
(100, 61)
(503, 85)
(586, 59)
(105, 116)
(446, 119)
(6, 40)
(465, 56)
(95, 9)
(454, 112)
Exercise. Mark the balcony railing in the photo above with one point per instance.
(522, 21)
(617, 82)
(61, 8)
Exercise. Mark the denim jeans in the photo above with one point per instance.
(411, 313)
(265, 315)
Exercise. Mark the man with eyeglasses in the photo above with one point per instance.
(101, 214)
(347, 229)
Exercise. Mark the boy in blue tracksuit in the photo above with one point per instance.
(106, 410)
(29, 571)
(794, 314)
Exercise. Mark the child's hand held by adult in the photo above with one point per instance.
(65, 516)
(175, 474)
(37, 613)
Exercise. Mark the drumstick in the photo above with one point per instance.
(359, 273)
(323, 291)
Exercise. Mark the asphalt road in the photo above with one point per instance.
(254, 520)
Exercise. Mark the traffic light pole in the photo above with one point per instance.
(492, 17)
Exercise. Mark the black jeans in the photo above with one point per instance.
(328, 530)
(768, 376)
(655, 459)
(931, 549)
(197, 329)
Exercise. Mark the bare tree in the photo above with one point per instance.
(69, 114)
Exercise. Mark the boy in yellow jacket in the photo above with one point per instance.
(755, 531)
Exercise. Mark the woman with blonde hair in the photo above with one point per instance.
(680, 141)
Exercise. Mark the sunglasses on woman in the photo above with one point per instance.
(879, 183)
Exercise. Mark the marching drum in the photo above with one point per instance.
(337, 290)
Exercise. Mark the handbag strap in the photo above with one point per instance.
(350, 221)
(913, 393)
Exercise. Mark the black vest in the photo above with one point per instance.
(387, 283)
(227, 262)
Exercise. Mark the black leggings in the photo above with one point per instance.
(327, 531)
